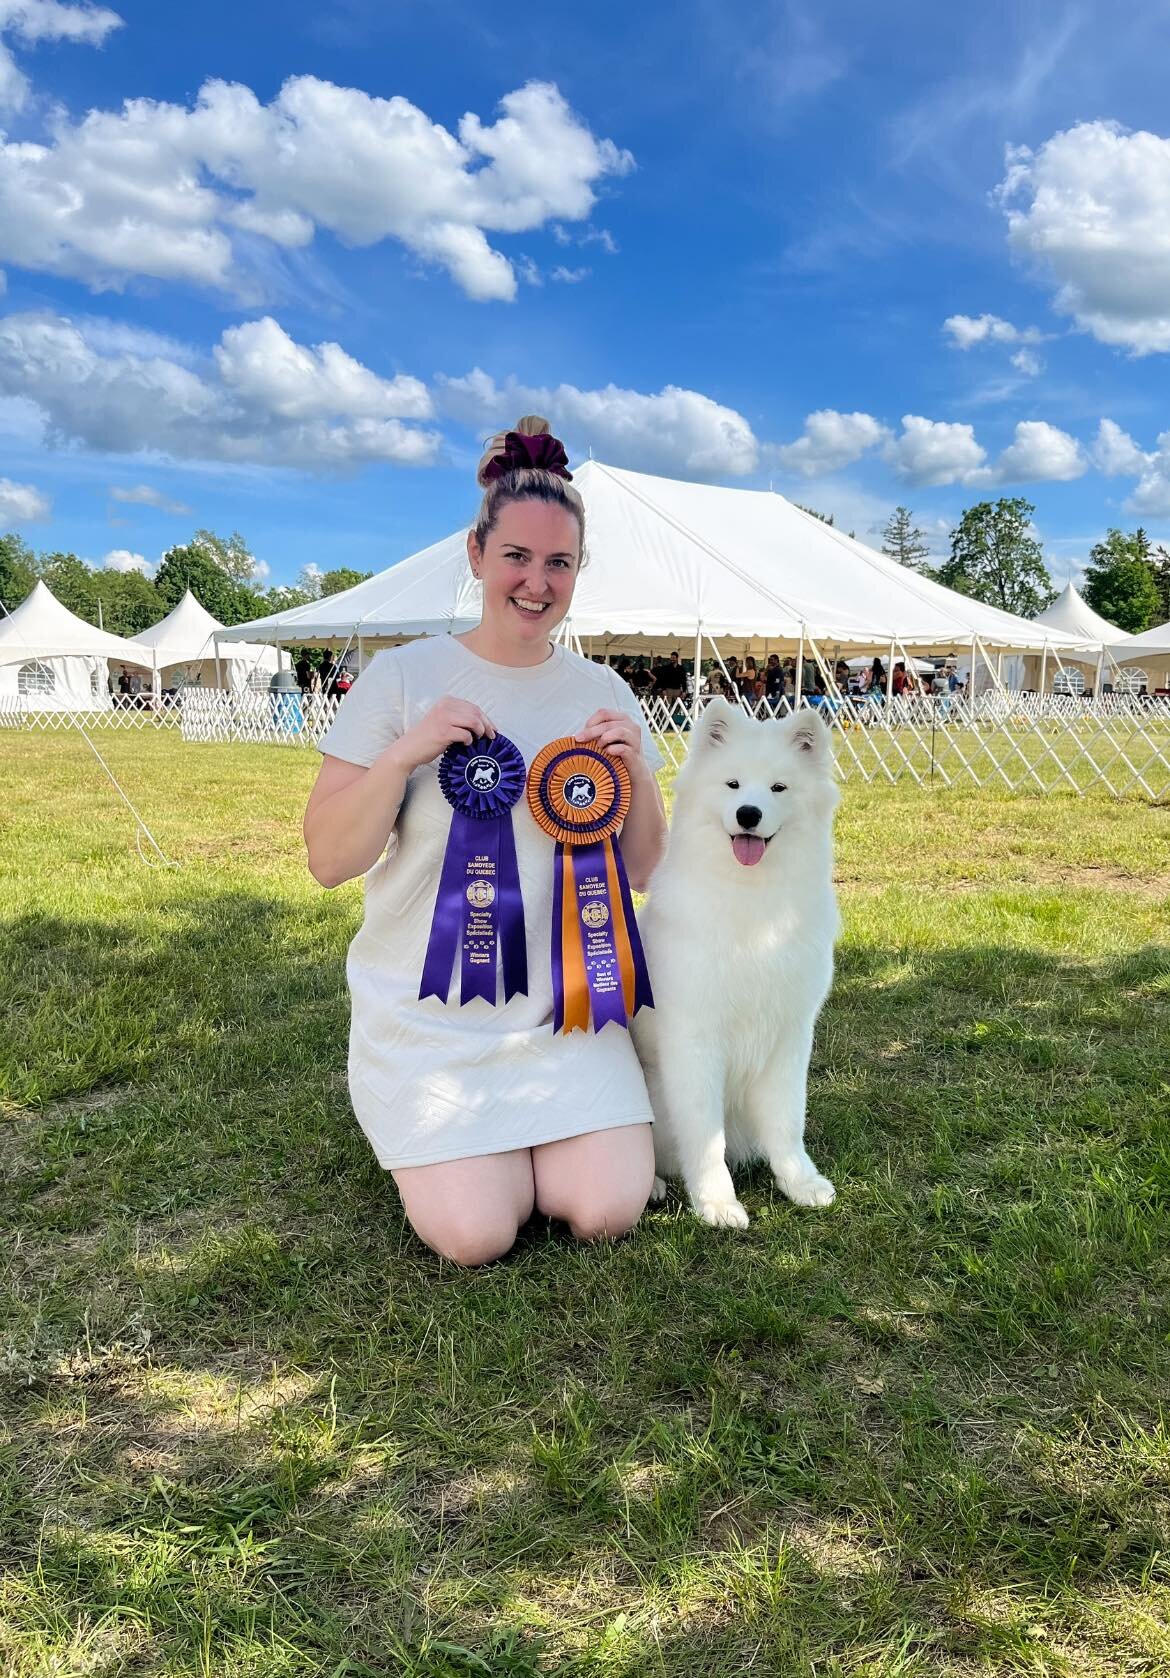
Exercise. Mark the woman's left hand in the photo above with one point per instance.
(615, 732)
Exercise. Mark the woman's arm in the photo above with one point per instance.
(644, 833)
(352, 810)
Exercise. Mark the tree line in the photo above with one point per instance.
(221, 573)
(995, 557)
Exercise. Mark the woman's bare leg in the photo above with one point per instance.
(469, 1210)
(598, 1183)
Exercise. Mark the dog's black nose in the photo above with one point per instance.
(748, 816)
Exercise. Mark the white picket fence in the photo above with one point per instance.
(1115, 744)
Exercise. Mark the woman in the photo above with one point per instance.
(481, 1113)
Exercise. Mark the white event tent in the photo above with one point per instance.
(51, 660)
(1071, 613)
(185, 651)
(1149, 651)
(676, 564)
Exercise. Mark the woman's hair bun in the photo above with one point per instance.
(531, 425)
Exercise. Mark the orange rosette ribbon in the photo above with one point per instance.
(580, 797)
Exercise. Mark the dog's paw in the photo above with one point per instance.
(658, 1190)
(810, 1190)
(722, 1214)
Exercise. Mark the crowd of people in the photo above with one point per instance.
(327, 677)
(775, 680)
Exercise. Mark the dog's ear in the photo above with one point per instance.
(714, 722)
(807, 732)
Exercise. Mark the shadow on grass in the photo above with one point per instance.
(251, 1412)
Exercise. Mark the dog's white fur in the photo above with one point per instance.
(740, 959)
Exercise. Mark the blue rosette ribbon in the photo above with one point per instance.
(478, 907)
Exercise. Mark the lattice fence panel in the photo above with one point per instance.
(1118, 745)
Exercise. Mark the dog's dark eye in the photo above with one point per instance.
(778, 786)
(734, 785)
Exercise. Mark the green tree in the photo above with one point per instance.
(825, 518)
(130, 602)
(1121, 581)
(72, 582)
(210, 567)
(1160, 560)
(18, 571)
(902, 540)
(996, 558)
(334, 582)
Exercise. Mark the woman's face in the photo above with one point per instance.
(528, 564)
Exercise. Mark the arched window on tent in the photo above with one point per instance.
(1129, 681)
(1069, 680)
(35, 677)
(95, 682)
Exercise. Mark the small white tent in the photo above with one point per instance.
(1071, 613)
(185, 649)
(51, 660)
(1148, 652)
(670, 562)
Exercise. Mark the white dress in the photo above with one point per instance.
(435, 1081)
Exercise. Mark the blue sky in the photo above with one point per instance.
(867, 254)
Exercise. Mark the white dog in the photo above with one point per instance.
(739, 934)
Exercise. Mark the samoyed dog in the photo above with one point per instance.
(739, 932)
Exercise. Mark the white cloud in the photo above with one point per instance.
(570, 276)
(261, 569)
(21, 504)
(588, 236)
(830, 440)
(143, 495)
(937, 452)
(316, 409)
(121, 559)
(261, 364)
(1091, 207)
(674, 431)
(165, 191)
(1028, 363)
(30, 21)
(1115, 453)
(967, 330)
(1151, 495)
(1041, 453)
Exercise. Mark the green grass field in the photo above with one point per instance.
(251, 1427)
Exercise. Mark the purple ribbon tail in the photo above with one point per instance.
(643, 995)
(480, 843)
(558, 961)
(513, 945)
(601, 959)
(447, 920)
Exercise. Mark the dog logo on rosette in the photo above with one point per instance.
(581, 791)
(595, 915)
(482, 773)
(481, 894)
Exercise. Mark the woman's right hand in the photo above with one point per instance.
(449, 721)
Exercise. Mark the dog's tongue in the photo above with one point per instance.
(748, 848)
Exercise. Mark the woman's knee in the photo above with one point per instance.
(471, 1241)
(598, 1184)
(604, 1217)
(469, 1211)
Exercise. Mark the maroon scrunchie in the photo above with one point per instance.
(523, 453)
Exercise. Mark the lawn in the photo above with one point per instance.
(249, 1426)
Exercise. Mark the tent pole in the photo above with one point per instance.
(1044, 669)
(799, 670)
(218, 667)
(698, 667)
(890, 677)
(1100, 676)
